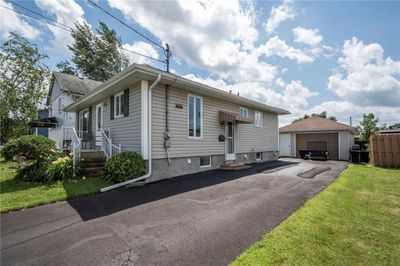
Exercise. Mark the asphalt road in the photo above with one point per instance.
(202, 219)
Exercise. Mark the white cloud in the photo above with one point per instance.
(215, 35)
(143, 48)
(278, 47)
(279, 14)
(11, 21)
(293, 95)
(66, 12)
(365, 77)
(343, 110)
(307, 36)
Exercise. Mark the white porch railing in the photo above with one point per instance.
(73, 142)
(107, 147)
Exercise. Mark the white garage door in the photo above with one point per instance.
(284, 145)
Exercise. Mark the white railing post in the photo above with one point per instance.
(110, 151)
(119, 147)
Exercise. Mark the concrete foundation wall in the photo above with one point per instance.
(190, 165)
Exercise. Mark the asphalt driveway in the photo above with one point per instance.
(206, 218)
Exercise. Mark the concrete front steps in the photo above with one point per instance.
(93, 162)
(234, 166)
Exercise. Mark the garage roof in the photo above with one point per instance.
(317, 124)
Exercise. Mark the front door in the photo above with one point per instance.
(230, 141)
(99, 124)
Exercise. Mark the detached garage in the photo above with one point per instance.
(317, 133)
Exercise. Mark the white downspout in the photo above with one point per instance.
(149, 99)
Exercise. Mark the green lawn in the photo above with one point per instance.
(16, 194)
(355, 221)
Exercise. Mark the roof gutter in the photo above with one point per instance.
(149, 172)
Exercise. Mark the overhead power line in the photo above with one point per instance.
(125, 24)
(166, 50)
(37, 13)
(38, 19)
(69, 29)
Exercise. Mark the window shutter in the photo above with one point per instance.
(126, 102)
(112, 107)
(90, 120)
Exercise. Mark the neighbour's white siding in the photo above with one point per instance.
(59, 100)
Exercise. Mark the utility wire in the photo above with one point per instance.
(125, 24)
(69, 29)
(37, 13)
(41, 20)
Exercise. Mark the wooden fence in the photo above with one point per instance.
(385, 150)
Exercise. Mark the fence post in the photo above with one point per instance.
(119, 148)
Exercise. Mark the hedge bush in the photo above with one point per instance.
(38, 159)
(124, 166)
(29, 147)
(54, 168)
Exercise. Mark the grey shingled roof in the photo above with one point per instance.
(316, 124)
(74, 84)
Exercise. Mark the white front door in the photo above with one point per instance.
(230, 141)
(285, 146)
(99, 124)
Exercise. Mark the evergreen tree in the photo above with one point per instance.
(65, 67)
(97, 57)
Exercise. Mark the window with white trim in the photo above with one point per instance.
(205, 161)
(258, 156)
(258, 119)
(195, 116)
(119, 104)
(244, 112)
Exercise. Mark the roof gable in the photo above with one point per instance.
(74, 84)
(316, 124)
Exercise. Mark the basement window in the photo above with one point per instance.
(258, 156)
(205, 161)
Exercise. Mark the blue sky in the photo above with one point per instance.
(308, 56)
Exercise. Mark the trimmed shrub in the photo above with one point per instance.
(124, 166)
(29, 147)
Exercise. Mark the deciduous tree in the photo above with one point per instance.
(23, 81)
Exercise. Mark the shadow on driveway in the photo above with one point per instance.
(110, 202)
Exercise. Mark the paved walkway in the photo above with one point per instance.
(206, 218)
